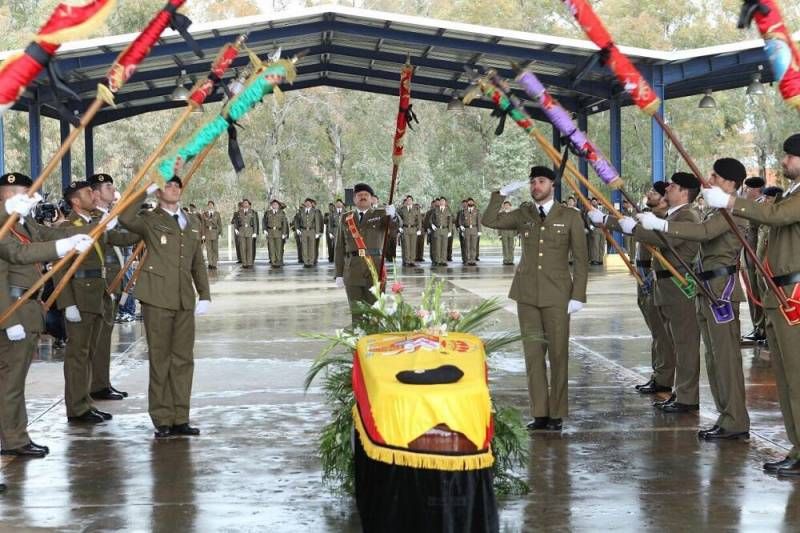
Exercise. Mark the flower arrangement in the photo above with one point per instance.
(391, 312)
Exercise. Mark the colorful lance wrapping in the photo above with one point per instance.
(405, 115)
(222, 63)
(67, 22)
(559, 117)
(261, 84)
(627, 74)
(781, 50)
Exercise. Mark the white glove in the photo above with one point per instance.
(650, 221)
(285, 236)
(299, 232)
(511, 187)
(449, 234)
(596, 217)
(391, 211)
(574, 306)
(111, 223)
(330, 235)
(716, 197)
(255, 236)
(72, 314)
(400, 230)
(317, 235)
(462, 228)
(22, 204)
(433, 227)
(265, 232)
(479, 234)
(627, 224)
(236, 232)
(340, 283)
(15, 332)
(152, 188)
(419, 232)
(81, 242)
(202, 307)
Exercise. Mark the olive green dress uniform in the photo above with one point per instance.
(18, 271)
(427, 236)
(471, 221)
(411, 223)
(320, 223)
(719, 250)
(597, 242)
(329, 234)
(352, 267)
(508, 239)
(235, 223)
(442, 218)
(677, 312)
(277, 227)
(332, 229)
(542, 288)
(310, 225)
(212, 229)
(247, 225)
(783, 219)
(757, 316)
(173, 274)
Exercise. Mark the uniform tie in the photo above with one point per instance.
(360, 216)
(177, 218)
(542, 214)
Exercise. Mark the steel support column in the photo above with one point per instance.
(88, 142)
(35, 140)
(656, 134)
(66, 161)
(615, 128)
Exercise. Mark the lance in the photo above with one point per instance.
(121, 274)
(200, 92)
(645, 99)
(526, 123)
(782, 52)
(120, 72)
(405, 115)
(67, 22)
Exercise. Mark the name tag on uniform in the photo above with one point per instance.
(373, 219)
(194, 230)
(559, 225)
(163, 239)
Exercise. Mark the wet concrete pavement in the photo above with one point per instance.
(618, 465)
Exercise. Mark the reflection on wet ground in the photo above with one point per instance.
(618, 465)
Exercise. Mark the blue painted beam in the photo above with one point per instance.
(615, 127)
(88, 155)
(703, 66)
(66, 161)
(656, 133)
(35, 140)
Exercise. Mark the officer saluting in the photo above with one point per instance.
(545, 292)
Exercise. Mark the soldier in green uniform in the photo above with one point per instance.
(507, 238)
(677, 312)
(442, 230)
(245, 228)
(103, 196)
(470, 227)
(410, 229)
(461, 244)
(629, 243)
(332, 227)
(173, 273)
(597, 241)
(545, 291)
(27, 245)
(309, 228)
(783, 263)
(752, 190)
(428, 231)
(212, 228)
(360, 239)
(276, 231)
(320, 224)
(235, 224)
(419, 256)
(717, 268)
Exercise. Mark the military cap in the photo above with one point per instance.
(755, 182)
(15, 178)
(730, 169)
(792, 145)
(660, 187)
(542, 171)
(176, 179)
(772, 191)
(685, 180)
(74, 187)
(359, 187)
(97, 179)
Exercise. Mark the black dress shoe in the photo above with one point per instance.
(662, 403)
(162, 432)
(790, 469)
(185, 429)
(723, 434)
(25, 451)
(678, 407)
(555, 424)
(648, 384)
(106, 416)
(45, 449)
(123, 393)
(89, 417)
(774, 466)
(539, 422)
(106, 394)
(702, 432)
(653, 388)
(755, 335)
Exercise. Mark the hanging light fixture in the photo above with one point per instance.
(180, 94)
(755, 87)
(707, 101)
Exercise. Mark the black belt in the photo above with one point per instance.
(90, 273)
(17, 292)
(716, 273)
(663, 274)
(787, 279)
(367, 251)
(644, 264)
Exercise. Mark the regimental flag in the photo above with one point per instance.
(405, 115)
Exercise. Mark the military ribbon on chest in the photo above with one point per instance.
(79, 222)
(361, 245)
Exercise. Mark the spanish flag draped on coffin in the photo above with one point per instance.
(423, 424)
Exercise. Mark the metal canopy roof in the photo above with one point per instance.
(364, 50)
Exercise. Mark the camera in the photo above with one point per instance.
(45, 212)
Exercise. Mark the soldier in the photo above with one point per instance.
(629, 243)
(752, 190)
(426, 227)
(717, 269)
(173, 271)
(545, 292)
(235, 224)
(508, 238)
(20, 253)
(212, 228)
(103, 196)
(461, 244)
(676, 310)
(245, 228)
(335, 216)
(330, 234)
(597, 241)
(470, 226)
(410, 229)
(442, 230)
(419, 254)
(308, 228)
(360, 239)
(276, 231)
(449, 257)
(319, 223)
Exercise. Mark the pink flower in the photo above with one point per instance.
(397, 287)
(454, 314)
(422, 313)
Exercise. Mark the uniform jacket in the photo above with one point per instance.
(212, 225)
(410, 218)
(443, 220)
(246, 223)
(275, 224)
(353, 268)
(470, 219)
(308, 221)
